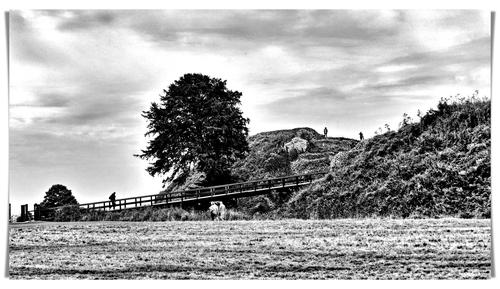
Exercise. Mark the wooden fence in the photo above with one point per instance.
(236, 190)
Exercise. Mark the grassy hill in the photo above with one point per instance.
(439, 166)
(268, 158)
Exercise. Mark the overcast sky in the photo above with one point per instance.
(80, 79)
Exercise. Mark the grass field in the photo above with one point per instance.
(286, 249)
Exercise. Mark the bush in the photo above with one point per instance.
(232, 215)
(67, 214)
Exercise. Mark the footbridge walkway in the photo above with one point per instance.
(189, 197)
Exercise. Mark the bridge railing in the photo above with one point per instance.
(192, 194)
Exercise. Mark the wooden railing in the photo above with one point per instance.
(235, 190)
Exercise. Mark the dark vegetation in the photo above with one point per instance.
(59, 196)
(197, 124)
(439, 166)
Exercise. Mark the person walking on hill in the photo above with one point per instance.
(112, 198)
(325, 131)
(361, 136)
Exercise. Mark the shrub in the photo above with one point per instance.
(67, 214)
(232, 215)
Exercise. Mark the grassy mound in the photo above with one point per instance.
(268, 158)
(439, 166)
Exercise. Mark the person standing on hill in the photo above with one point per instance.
(325, 131)
(112, 198)
(361, 136)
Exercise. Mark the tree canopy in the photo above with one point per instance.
(197, 125)
(58, 195)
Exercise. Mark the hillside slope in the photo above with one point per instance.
(439, 166)
(269, 158)
(277, 153)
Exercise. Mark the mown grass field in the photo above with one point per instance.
(285, 249)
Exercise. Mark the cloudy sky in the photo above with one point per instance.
(80, 79)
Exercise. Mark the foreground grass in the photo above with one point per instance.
(286, 249)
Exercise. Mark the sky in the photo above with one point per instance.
(79, 80)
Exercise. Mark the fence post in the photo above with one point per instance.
(10, 214)
(24, 213)
(36, 208)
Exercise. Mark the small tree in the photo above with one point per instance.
(58, 195)
(196, 125)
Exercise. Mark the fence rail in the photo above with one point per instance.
(236, 190)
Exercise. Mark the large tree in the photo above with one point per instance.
(197, 124)
(58, 195)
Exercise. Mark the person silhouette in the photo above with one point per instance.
(325, 131)
(112, 198)
(361, 136)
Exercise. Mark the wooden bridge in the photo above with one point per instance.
(189, 197)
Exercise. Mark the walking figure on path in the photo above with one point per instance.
(222, 211)
(214, 211)
(361, 136)
(112, 198)
(325, 131)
